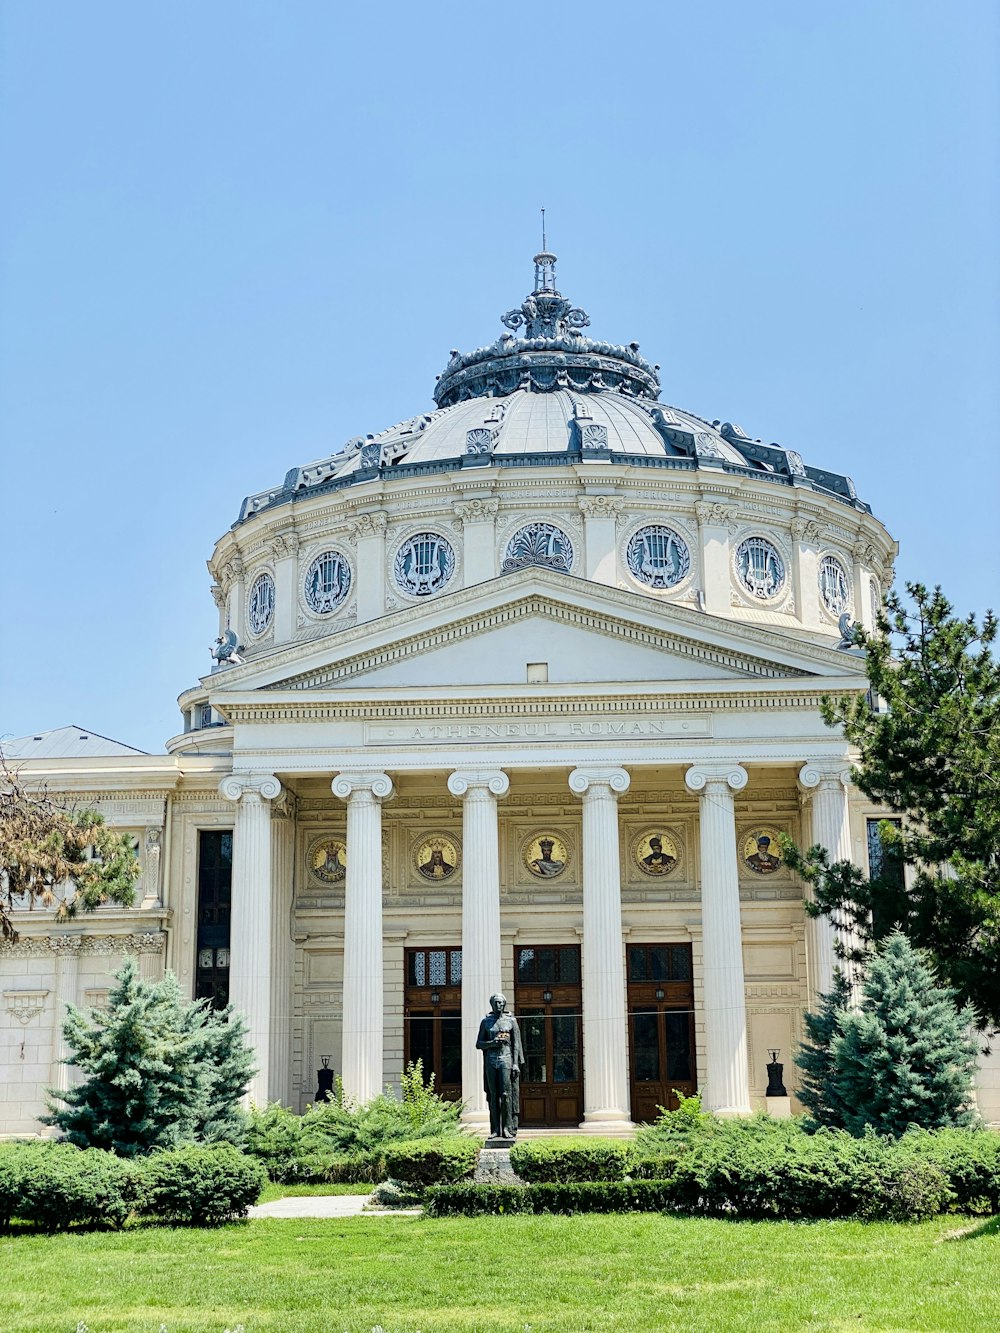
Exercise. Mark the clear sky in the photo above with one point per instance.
(236, 234)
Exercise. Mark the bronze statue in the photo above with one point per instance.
(503, 1059)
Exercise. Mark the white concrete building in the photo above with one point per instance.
(525, 689)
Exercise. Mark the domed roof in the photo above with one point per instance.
(550, 396)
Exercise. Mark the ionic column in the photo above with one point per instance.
(827, 784)
(282, 947)
(605, 1034)
(479, 791)
(250, 930)
(67, 968)
(727, 1080)
(363, 970)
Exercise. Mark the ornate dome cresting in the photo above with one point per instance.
(553, 354)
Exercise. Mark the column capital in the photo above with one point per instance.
(237, 785)
(371, 786)
(466, 780)
(699, 776)
(824, 772)
(599, 782)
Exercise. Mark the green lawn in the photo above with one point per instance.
(272, 1192)
(508, 1275)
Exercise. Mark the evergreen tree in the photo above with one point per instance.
(815, 1056)
(161, 1071)
(930, 755)
(905, 1055)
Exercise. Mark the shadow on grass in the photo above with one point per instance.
(991, 1227)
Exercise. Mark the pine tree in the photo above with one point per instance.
(905, 1056)
(161, 1071)
(815, 1056)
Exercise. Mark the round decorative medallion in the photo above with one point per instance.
(538, 544)
(834, 585)
(760, 568)
(328, 861)
(655, 853)
(437, 858)
(424, 564)
(545, 856)
(328, 581)
(761, 851)
(658, 557)
(261, 608)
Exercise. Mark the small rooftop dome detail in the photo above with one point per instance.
(553, 353)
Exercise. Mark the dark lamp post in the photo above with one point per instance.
(775, 1083)
(324, 1081)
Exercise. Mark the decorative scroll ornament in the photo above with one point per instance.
(24, 1005)
(658, 557)
(834, 585)
(546, 315)
(476, 510)
(479, 440)
(424, 564)
(760, 568)
(539, 544)
(327, 583)
(260, 611)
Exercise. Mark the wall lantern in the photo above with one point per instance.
(547, 996)
(660, 993)
(435, 997)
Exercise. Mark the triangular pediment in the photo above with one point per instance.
(582, 632)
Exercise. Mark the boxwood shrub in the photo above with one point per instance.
(59, 1186)
(432, 1161)
(563, 1161)
(602, 1196)
(202, 1187)
(969, 1158)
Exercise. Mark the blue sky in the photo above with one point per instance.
(237, 234)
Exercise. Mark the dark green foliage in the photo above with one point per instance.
(613, 1196)
(202, 1187)
(932, 757)
(567, 1160)
(970, 1159)
(815, 1057)
(905, 1056)
(161, 1071)
(60, 1186)
(432, 1161)
(332, 1135)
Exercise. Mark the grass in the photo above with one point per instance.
(507, 1275)
(272, 1192)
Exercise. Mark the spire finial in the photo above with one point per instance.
(545, 266)
(543, 230)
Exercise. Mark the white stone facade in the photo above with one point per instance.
(374, 717)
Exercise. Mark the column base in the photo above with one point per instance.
(607, 1123)
(730, 1112)
(475, 1122)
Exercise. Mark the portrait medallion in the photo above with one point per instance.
(545, 856)
(656, 853)
(762, 851)
(328, 861)
(437, 858)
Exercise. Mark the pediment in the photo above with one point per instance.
(584, 632)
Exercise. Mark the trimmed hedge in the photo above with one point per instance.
(58, 1185)
(567, 1161)
(202, 1187)
(602, 1196)
(432, 1161)
(970, 1159)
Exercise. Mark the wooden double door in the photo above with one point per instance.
(548, 1004)
(660, 1027)
(432, 1013)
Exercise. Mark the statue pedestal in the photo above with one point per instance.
(493, 1167)
(779, 1107)
(497, 1142)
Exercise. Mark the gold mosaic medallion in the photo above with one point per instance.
(761, 851)
(545, 856)
(656, 853)
(328, 861)
(437, 858)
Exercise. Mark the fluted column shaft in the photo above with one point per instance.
(480, 922)
(250, 930)
(727, 1078)
(605, 1034)
(282, 952)
(361, 1059)
(831, 829)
